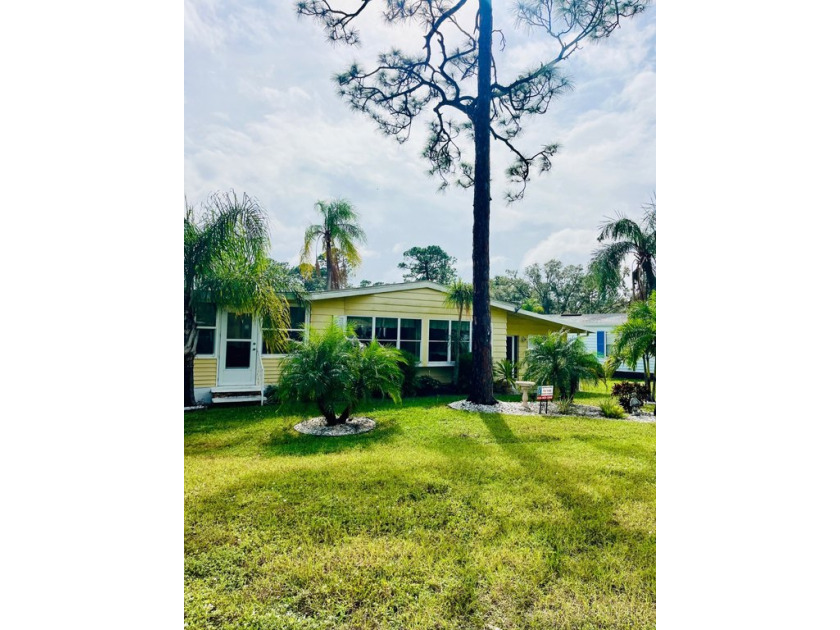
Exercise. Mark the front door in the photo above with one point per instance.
(237, 360)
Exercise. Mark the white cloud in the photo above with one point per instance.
(262, 116)
(571, 247)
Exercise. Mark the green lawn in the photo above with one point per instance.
(436, 519)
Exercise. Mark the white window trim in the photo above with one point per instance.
(399, 319)
(303, 330)
(215, 328)
(450, 362)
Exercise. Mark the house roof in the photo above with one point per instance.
(591, 321)
(434, 286)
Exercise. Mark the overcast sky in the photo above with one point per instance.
(262, 116)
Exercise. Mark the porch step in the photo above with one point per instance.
(236, 394)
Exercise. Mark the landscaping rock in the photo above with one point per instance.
(318, 426)
(530, 409)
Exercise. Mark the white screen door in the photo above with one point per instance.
(239, 349)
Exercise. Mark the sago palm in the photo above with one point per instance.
(226, 263)
(339, 234)
(628, 239)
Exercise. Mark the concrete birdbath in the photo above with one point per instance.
(524, 387)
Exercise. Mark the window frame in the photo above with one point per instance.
(288, 330)
(449, 354)
(215, 328)
(399, 339)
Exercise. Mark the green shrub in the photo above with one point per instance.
(336, 372)
(409, 372)
(626, 390)
(425, 385)
(505, 373)
(271, 394)
(564, 405)
(611, 408)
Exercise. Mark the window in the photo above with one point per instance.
(363, 327)
(442, 333)
(395, 332)
(205, 318)
(295, 332)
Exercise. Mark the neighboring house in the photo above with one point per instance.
(233, 362)
(599, 338)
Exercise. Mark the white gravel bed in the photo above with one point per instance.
(519, 409)
(318, 426)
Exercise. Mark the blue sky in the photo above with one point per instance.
(262, 116)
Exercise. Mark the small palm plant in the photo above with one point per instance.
(635, 340)
(505, 372)
(553, 360)
(336, 372)
(459, 295)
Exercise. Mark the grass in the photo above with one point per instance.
(436, 519)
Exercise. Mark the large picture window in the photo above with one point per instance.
(295, 332)
(396, 332)
(443, 334)
(205, 317)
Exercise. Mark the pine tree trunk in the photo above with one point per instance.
(481, 387)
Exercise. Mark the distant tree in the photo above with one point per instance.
(226, 264)
(635, 340)
(628, 239)
(555, 360)
(510, 288)
(312, 280)
(459, 295)
(314, 277)
(428, 263)
(558, 289)
(463, 79)
(339, 233)
(368, 283)
(530, 304)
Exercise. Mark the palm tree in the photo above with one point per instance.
(459, 295)
(339, 233)
(335, 371)
(636, 339)
(562, 363)
(226, 263)
(628, 238)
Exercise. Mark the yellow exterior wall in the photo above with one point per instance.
(204, 372)
(499, 321)
(520, 326)
(271, 370)
(423, 304)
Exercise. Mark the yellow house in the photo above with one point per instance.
(232, 362)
